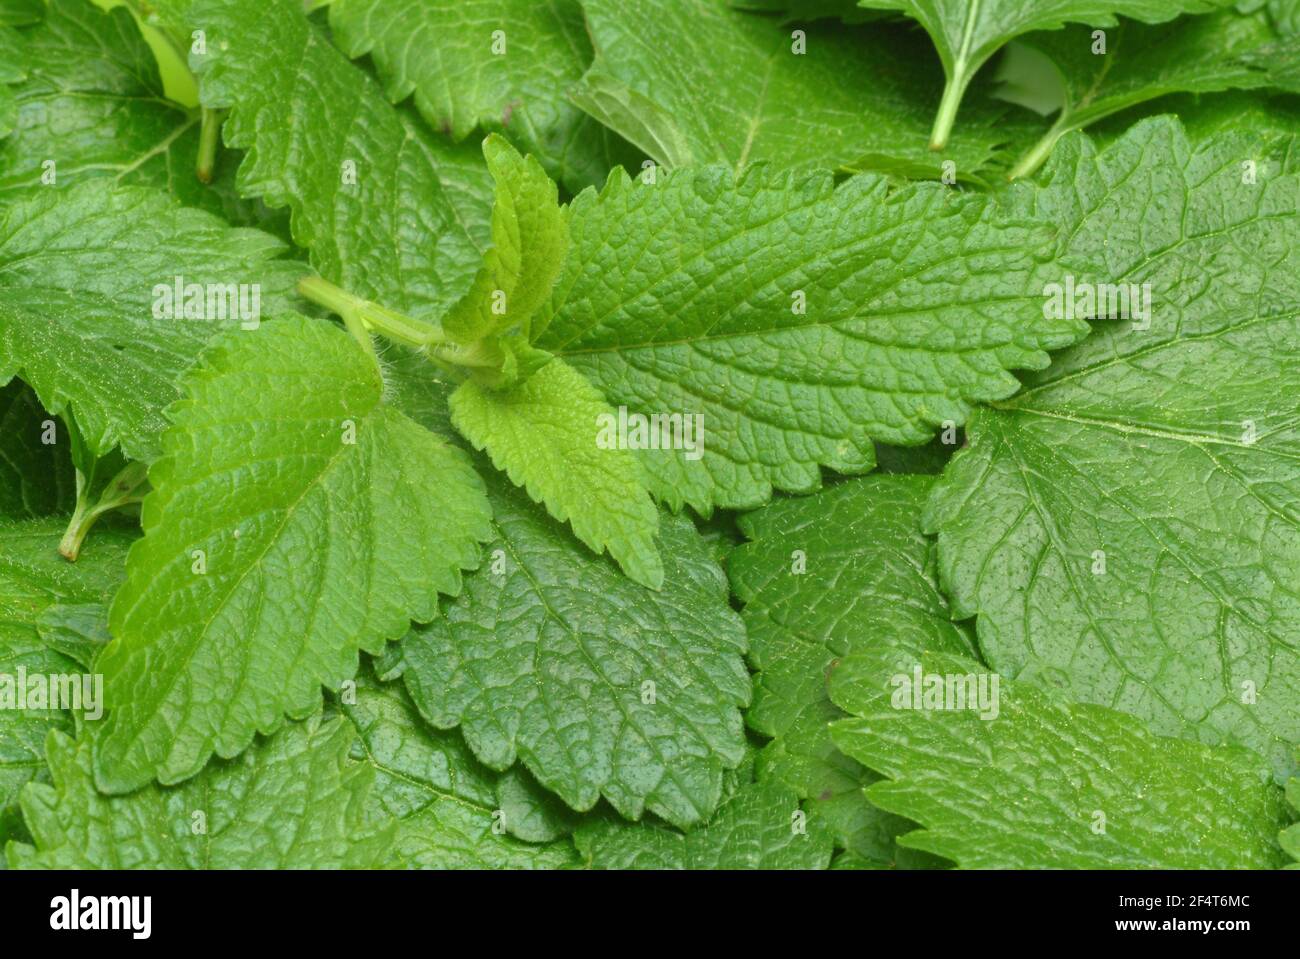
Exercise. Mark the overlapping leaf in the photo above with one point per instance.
(967, 33)
(823, 576)
(294, 801)
(33, 578)
(760, 827)
(892, 312)
(92, 105)
(81, 317)
(443, 799)
(1125, 528)
(1043, 783)
(295, 520)
(837, 97)
(600, 687)
(387, 210)
(544, 435)
(1140, 62)
(499, 65)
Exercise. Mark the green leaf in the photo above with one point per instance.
(17, 13)
(1045, 784)
(443, 799)
(895, 312)
(387, 211)
(294, 801)
(1289, 838)
(600, 687)
(295, 520)
(33, 579)
(804, 10)
(530, 812)
(77, 630)
(530, 238)
(1140, 62)
(694, 82)
(1274, 119)
(824, 576)
(967, 32)
(500, 65)
(81, 270)
(1125, 528)
(36, 476)
(93, 103)
(544, 434)
(758, 828)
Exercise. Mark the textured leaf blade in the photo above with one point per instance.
(411, 229)
(502, 65)
(1161, 803)
(79, 268)
(294, 801)
(821, 577)
(543, 434)
(856, 97)
(1088, 523)
(530, 238)
(93, 102)
(34, 578)
(442, 798)
(894, 312)
(324, 522)
(966, 33)
(546, 655)
(754, 829)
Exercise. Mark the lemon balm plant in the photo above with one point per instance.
(307, 463)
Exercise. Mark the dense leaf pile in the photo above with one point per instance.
(678, 434)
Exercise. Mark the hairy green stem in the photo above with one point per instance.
(953, 91)
(209, 139)
(1039, 152)
(124, 489)
(387, 323)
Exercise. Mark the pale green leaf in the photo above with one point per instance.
(530, 238)
(544, 434)
(1044, 783)
(294, 520)
(1125, 528)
